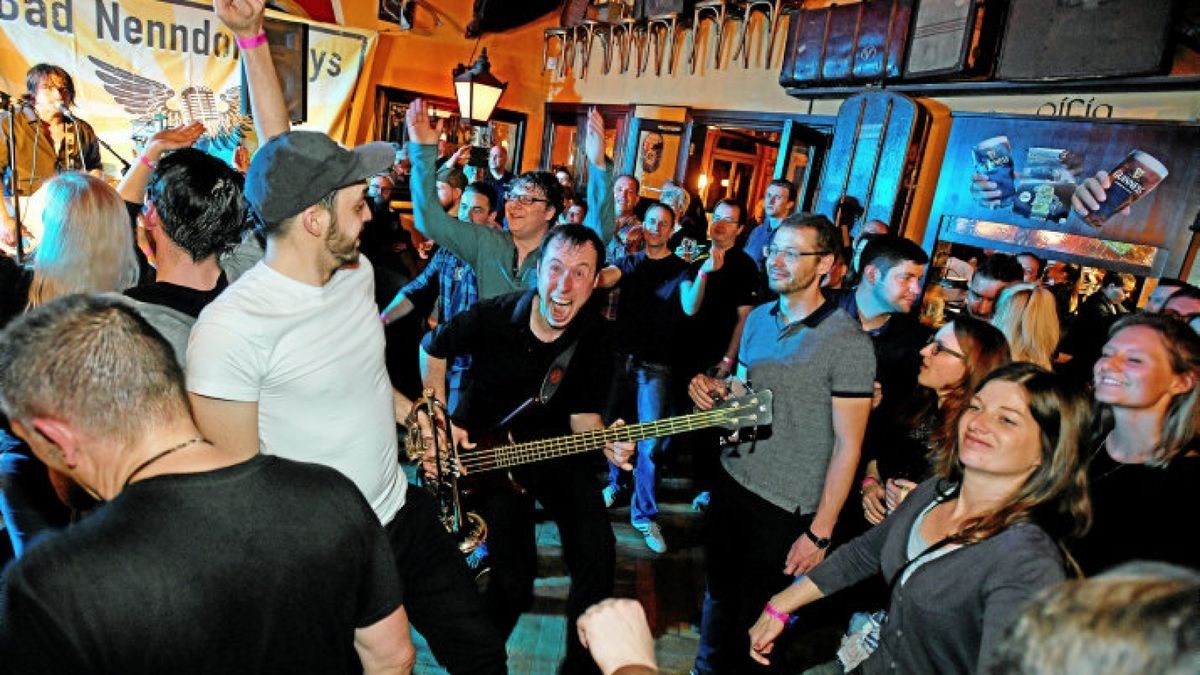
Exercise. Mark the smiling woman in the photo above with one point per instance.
(969, 547)
(1145, 465)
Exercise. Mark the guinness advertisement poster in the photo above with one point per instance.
(1015, 174)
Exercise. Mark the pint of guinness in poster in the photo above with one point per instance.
(1135, 177)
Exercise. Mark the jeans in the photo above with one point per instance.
(28, 503)
(650, 383)
(745, 545)
(440, 595)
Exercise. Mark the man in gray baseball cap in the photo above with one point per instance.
(289, 360)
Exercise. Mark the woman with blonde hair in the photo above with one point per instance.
(87, 244)
(970, 546)
(1145, 461)
(1027, 314)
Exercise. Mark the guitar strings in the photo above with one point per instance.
(531, 451)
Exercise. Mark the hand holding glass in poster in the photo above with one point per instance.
(1135, 177)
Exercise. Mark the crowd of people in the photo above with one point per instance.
(200, 459)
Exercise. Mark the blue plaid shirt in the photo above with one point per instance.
(451, 280)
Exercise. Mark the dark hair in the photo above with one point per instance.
(1001, 267)
(1041, 262)
(1187, 291)
(486, 190)
(828, 237)
(1055, 494)
(44, 71)
(547, 183)
(85, 357)
(735, 203)
(885, 251)
(199, 201)
(660, 205)
(576, 235)
(785, 183)
(1115, 278)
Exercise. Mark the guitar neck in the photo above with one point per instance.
(516, 454)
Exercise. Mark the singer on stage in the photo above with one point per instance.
(49, 139)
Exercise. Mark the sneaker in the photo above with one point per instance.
(652, 535)
(700, 503)
(610, 493)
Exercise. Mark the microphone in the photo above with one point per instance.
(66, 112)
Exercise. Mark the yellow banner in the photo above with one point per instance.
(142, 65)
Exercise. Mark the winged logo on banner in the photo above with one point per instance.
(156, 106)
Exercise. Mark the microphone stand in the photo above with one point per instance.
(13, 181)
(124, 164)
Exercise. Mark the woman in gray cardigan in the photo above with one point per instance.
(971, 545)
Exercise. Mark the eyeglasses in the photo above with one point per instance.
(939, 348)
(527, 200)
(790, 256)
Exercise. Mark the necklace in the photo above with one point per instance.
(155, 458)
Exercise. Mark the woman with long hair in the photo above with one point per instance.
(87, 244)
(86, 247)
(956, 359)
(969, 546)
(1027, 314)
(1145, 459)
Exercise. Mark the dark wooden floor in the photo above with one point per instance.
(669, 586)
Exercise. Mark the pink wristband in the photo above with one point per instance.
(251, 43)
(776, 614)
(148, 163)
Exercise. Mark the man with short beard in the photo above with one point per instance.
(627, 238)
(775, 503)
(520, 344)
(289, 360)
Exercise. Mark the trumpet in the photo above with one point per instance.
(421, 437)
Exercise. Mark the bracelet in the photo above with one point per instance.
(784, 617)
(869, 480)
(252, 42)
(727, 361)
(148, 163)
(702, 274)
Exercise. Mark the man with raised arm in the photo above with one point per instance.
(505, 260)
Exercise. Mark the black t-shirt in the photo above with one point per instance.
(509, 364)
(180, 298)
(709, 331)
(1140, 513)
(267, 566)
(648, 311)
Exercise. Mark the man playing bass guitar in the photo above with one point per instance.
(538, 352)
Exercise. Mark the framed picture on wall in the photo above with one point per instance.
(653, 151)
(507, 128)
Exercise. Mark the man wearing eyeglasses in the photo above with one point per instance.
(505, 260)
(773, 508)
(450, 279)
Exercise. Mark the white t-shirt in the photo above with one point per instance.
(313, 359)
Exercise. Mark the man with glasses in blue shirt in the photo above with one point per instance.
(505, 260)
(774, 506)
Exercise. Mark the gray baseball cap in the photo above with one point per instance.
(293, 171)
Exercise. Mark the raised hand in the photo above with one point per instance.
(173, 139)
(243, 17)
(593, 144)
(417, 122)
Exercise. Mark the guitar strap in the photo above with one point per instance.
(554, 376)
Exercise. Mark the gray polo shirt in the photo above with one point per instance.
(806, 364)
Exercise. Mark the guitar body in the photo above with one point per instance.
(31, 220)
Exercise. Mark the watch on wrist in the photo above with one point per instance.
(821, 542)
